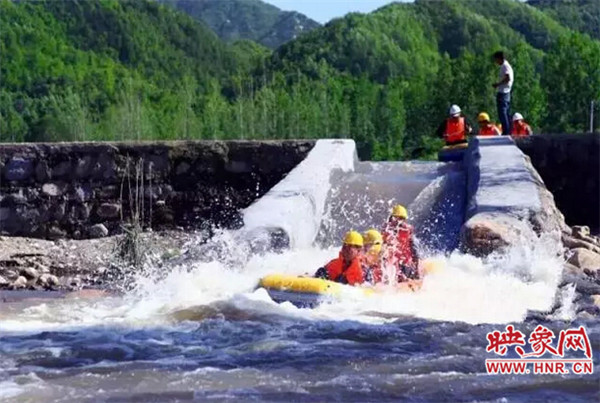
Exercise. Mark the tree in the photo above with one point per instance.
(572, 80)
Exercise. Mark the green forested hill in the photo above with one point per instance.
(108, 69)
(435, 53)
(247, 19)
(97, 59)
(579, 15)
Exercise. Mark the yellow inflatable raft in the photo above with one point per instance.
(452, 153)
(309, 291)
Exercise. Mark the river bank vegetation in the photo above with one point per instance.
(133, 70)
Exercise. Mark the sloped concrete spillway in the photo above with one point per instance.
(331, 192)
(201, 330)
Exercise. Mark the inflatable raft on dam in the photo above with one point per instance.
(308, 292)
(452, 153)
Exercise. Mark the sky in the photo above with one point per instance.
(324, 10)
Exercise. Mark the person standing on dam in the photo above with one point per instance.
(400, 251)
(455, 129)
(503, 88)
(347, 268)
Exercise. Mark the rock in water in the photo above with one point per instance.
(48, 281)
(488, 232)
(20, 282)
(3, 282)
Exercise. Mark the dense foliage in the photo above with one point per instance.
(579, 15)
(108, 69)
(247, 19)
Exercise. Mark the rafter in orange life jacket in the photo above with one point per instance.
(341, 273)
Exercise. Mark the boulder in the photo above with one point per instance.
(29, 273)
(3, 282)
(584, 259)
(62, 170)
(83, 167)
(20, 282)
(53, 189)
(18, 169)
(80, 212)
(48, 281)
(583, 284)
(573, 243)
(581, 231)
(41, 268)
(83, 193)
(98, 231)
(42, 171)
(485, 233)
(109, 210)
(16, 198)
(55, 233)
(11, 274)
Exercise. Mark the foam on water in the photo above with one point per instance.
(499, 289)
(226, 270)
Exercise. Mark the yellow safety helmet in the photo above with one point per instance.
(353, 238)
(375, 250)
(399, 211)
(483, 117)
(373, 236)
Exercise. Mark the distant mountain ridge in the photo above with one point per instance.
(247, 19)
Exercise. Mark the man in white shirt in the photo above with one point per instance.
(503, 87)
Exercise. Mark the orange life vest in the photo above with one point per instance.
(488, 130)
(520, 129)
(455, 130)
(352, 274)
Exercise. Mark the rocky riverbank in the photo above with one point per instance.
(582, 269)
(70, 265)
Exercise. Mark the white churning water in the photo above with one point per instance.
(314, 204)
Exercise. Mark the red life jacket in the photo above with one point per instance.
(455, 130)
(399, 239)
(520, 129)
(352, 273)
(489, 130)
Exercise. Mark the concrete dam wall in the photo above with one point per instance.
(82, 190)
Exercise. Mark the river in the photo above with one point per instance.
(202, 331)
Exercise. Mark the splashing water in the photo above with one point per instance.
(201, 329)
(499, 289)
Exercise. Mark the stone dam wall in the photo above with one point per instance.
(87, 190)
(569, 164)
